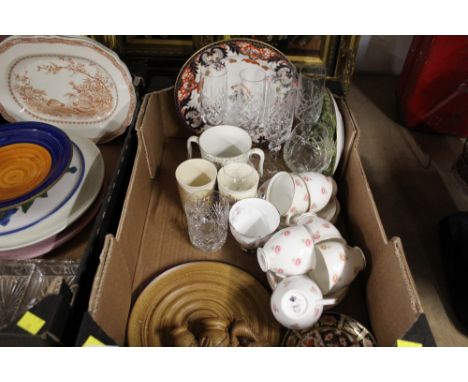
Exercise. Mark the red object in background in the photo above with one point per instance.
(432, 89)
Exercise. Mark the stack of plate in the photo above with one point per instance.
(51, 177)
(48, 183)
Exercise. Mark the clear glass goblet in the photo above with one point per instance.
(310, 148)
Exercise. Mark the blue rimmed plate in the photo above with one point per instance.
(61, 206)
(33, 157)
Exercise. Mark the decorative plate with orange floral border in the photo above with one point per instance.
(234, 55)
(332, 330)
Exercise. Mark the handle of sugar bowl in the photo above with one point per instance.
(261, 155)
(192, 139)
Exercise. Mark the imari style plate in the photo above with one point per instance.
(332, 330)
(33, 157)
(73, 83)
(63, 204)
(234, 55)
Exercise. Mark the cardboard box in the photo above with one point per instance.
(152, 237)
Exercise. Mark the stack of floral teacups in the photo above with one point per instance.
(297, 196)
(309, 266)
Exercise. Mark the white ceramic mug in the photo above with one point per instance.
(225, 144)
(195, 175)
(321, 189)
(252, 221)
(288, 252)
(288, 193)
(297, 302)
(337, 265)
(238, 181)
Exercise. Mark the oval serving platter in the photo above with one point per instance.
(73, 83)
(235, 55)
(63, 204)
(33, 157)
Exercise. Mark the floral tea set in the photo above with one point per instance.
(289, 220)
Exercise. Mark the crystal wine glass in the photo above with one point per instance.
(213, 95)
(278, 120)
(310, 93)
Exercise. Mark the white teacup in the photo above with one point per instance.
(288, 252)
(238, 181)
(337, 265)
(321, 189)
(288, 193)
(319, 229)
(252, 221)
(225, 144)
(331, 211)
(297, 302)
(195, 175)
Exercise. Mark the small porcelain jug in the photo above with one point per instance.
(297, 302)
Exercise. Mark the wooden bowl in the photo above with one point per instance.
(190, 292)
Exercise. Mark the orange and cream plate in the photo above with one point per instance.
(23, 167)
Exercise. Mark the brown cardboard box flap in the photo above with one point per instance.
(392, 301)
(351, 136)
(110, 298)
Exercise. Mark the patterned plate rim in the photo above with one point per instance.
(345, 316)
(209, 46)
(72, 192)
(35, 125)
(94, 46)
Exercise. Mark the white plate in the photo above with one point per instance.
(45, 246)
(73, 83)
(66, 201)
(340, 134)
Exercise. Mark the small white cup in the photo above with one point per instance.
(337, 265)
(238, 181)
(225, 144)
(297, 302)
(321, 189)
(195, 175)
(288, 252)
(288, 193)
(319, 229)
(252, 221)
